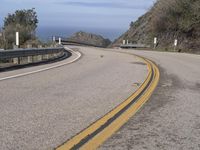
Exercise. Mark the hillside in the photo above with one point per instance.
(167, 20)
(90, 39)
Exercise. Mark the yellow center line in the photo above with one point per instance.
(98, 139)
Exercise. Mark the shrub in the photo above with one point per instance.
(22, 21)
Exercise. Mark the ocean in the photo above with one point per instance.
(46, 33)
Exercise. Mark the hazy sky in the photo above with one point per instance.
(80, 13)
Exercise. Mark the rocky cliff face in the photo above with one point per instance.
(138, 33)
(90, 39)
(167, 20)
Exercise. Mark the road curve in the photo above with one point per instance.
(98, 132)
(31, 70)
(171, 118)
(42, 110)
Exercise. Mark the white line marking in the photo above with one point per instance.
(44, 69)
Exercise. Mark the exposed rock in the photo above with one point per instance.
(167, 20)
(90, 39)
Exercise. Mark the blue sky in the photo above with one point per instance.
(115, 14)
(94, 13)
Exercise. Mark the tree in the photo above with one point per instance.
(23, 21)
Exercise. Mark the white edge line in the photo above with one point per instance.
(44, 69)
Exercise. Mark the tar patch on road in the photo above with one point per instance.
(136, 84)
(138, 63)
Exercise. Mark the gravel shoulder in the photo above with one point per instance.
(171, 118)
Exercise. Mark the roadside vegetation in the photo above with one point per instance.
(168, 20)
(23, 21)
(178, 19)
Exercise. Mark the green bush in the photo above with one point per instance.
(22, 21)
(181, 16)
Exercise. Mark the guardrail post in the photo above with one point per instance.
(26, 56)
(59, 41)
(15, 60)
(19, 61)
(43, 57)
(29, 59)
(39, 58)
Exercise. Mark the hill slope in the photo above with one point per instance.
(168, 20)
(90, 39)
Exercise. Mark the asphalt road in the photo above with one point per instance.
(41, 110)
(170, 120)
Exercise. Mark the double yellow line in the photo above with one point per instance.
(94, 135)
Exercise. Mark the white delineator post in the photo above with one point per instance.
(54, 38)
(17, 39)
(124, 42)
(17, 60)
(175, 44)
(155, 42)
(59, 41)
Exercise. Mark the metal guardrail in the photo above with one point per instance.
(134, 46)
(8, 54)
(19, 58)
(66, 41)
